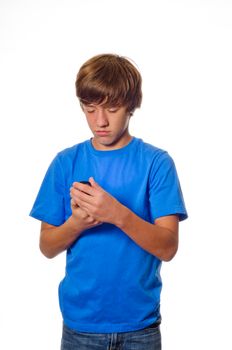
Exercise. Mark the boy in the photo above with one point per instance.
(119, 225)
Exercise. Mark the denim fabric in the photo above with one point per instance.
(145, 339)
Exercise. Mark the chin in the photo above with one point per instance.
(105, 141)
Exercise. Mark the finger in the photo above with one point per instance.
(95, 221)
(73, 203)
(84, 205)
(73, 192)
(83, 188)
(77, 202)
(83, 213)
(78, 195)
(82, 197)
(98, 223)
(74, 198)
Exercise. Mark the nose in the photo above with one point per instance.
(101, 118)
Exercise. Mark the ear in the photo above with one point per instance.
(81, 105)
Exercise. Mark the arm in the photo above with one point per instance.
(56, 239)
(159, 239)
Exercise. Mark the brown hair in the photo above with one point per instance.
(110, 80)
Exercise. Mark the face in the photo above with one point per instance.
(109, 126)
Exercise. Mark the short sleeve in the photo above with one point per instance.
(49, 205)
(165, 194)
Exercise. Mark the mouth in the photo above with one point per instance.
(102, 133)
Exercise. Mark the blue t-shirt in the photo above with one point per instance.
(111, 284)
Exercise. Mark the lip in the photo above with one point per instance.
(102, 133)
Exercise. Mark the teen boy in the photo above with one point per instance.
(118, 228)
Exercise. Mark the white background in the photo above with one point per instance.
(184, 51)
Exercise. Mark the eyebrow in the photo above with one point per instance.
(88, 104)
(94, 105)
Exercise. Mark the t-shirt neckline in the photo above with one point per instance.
(104, 153)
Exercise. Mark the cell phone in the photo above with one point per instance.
(85, 182)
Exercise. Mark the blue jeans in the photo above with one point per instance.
(145, 339)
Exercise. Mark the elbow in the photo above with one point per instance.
(48, 253)
(169, 254)
(168, 257)
(46, 245)
(171, 250)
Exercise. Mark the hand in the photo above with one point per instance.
(81, 218)
(95, 201)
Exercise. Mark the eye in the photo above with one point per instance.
(113, 109)
(89, 109)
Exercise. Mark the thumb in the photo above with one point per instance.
(94, 184)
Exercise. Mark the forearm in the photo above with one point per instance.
(157, 240)
(54, 240)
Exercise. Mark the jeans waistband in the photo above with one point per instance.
(154, 325)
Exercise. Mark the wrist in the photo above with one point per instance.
(73, 225)
(122, 217)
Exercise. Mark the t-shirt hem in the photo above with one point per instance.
(108, 328)
(179, 211)
(47, 219)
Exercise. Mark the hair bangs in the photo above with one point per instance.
(101, 93)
